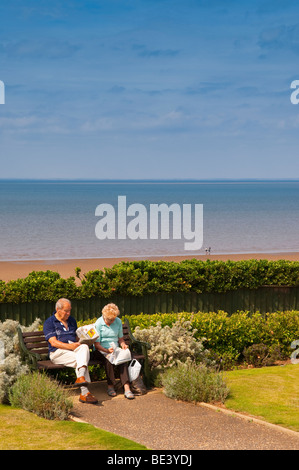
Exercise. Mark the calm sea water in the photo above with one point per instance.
(56, 220)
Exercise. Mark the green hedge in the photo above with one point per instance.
(137, 278)
(228, 335)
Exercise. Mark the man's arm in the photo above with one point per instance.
(55, 343)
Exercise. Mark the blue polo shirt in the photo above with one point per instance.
(53, 327)
(109, 334)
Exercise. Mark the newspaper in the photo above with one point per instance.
(118, 356)
(87, 334)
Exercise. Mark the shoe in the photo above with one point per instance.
(129, 395)
(88, 398)
(111, 392)
(81, 381)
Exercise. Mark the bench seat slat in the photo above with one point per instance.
(137, 356)
(49, 365)
(40, 350)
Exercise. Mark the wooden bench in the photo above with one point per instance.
(35, 351)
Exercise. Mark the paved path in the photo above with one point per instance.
(161, 423)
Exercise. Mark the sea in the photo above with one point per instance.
(56, 220)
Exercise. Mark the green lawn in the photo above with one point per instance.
(21, 430)
(269, 393)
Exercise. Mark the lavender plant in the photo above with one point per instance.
(194, 383)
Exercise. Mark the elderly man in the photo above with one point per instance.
(64, 348)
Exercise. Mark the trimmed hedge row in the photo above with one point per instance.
(228, 335)
(137, 278)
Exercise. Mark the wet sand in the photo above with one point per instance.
(19, 269)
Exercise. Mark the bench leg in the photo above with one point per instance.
(146, 372)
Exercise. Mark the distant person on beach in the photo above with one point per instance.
(110, 330)
(64, 348)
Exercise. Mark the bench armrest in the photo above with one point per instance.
(144, 349)
(143, 344)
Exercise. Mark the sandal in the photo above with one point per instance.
(111, 392)
(129, 395)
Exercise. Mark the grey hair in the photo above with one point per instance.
(60, 302)
(110, 311)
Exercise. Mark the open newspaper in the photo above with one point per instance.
(118, 356)
(87, 334)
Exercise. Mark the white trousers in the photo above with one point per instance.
(76, 359)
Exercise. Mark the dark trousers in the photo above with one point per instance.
(109, 369)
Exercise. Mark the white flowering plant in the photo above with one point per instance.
(11, 366)
(172, 345)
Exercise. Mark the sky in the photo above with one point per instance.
(149, 89)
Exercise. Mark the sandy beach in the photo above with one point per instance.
(19, 269)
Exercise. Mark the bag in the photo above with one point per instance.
(134, 370)
(87, 334)
(137, 386)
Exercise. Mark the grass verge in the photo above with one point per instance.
(269, 393)
(22, 430)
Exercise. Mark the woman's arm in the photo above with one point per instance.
(98, 346)
(122, 343)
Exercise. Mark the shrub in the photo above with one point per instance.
(226, 336)
(41, 395)
(38, 285)
(194, 383)
(191, 275)
(11, 366)
(137, 278)
(171, 345)
(260, 355)
(226, 359)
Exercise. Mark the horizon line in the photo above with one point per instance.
(138, 180)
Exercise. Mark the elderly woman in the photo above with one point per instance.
(109, 328)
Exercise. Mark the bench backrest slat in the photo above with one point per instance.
(32, 333)
(126, 335)
(42, 344)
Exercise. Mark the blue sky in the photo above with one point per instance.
(149, 89)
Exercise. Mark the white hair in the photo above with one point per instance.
(110, 311)
(60, 302)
